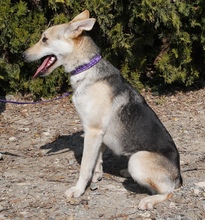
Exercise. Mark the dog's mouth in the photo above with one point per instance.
(46, 64)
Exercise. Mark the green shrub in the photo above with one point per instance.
(21, 24)
(154, 42)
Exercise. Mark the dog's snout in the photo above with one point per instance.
(24, 54)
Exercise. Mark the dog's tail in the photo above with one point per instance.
(178, 181)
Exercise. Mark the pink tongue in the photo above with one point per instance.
(42, 67)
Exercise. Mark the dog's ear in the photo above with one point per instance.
(74, 29)
(82, 16)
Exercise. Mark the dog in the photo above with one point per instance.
(112, 112)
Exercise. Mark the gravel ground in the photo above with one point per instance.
(41, 149)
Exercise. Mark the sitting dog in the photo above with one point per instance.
(112, 113)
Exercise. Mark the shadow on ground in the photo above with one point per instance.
(64, 143)
(112, 164)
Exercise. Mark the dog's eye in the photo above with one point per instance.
(44, 39)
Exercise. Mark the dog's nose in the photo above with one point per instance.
(24, 54)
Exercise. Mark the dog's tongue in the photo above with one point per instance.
(42, 67)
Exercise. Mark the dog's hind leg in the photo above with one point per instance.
(125, 173)
(155, 172)
(98, 171)
(92, 144)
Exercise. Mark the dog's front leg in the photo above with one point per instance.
(92, 144)
(98, 171)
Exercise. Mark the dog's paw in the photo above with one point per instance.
(97, 176)
(147, 203)
(98, 172)
(125, 173)
(74, 192)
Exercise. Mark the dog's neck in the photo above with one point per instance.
(86, 66)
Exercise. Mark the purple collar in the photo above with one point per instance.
(86, 66)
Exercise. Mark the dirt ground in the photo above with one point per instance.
(41, 149)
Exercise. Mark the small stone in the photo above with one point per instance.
(1, 157)
(145, 214)
(196, 191)
(24, 214)
(9, 97)
(46, 133)
(200, 184)
(71, 161)
(182, 162)
(12, 139)
(172, 205)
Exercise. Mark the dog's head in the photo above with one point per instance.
(57, 43)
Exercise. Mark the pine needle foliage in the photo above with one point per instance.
(153, 42)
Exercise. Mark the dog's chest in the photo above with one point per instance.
(80, 103)
(93, 103)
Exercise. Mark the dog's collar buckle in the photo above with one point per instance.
(86, 66)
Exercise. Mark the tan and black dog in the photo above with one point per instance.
(112, 112)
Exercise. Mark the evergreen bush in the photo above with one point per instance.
(154, 42)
